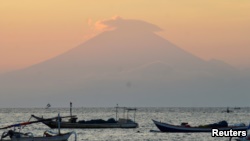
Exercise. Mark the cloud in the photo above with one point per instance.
(97, 27)
(102, 26)
(118, 22)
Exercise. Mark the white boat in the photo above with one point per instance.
(18, 136)
(13, 135)
(165, 127)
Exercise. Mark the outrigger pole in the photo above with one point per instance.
(31, 122)
(116, 111)
(58, 121)
(70, 108)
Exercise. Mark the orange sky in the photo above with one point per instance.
(33, 31)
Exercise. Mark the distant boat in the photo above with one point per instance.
(48, 106)
(237, 108)
(95, 123)
(227, 111)
(165, 127)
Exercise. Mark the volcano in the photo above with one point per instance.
(129, 65)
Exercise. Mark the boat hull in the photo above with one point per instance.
(164, 127)
(53, 124)
(63, 137)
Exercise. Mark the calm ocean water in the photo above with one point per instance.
(194, 116)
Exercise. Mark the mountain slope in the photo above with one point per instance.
(129, 65)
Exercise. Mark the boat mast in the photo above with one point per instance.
(134, 114)
(116, 108)
(58, 121)
(70, 109)
(127, 114)
(124, 112)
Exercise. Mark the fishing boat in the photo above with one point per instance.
(18, 136)
(165, 127)
(124, 122)
(13, 135)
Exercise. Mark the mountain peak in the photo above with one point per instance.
(130, 25)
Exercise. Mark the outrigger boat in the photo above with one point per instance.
(97, 123)
(165, 127)
(14, 135)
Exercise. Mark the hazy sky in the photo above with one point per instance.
(33, 31)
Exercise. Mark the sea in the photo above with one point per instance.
(144, 115)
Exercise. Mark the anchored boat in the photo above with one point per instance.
(13, 135)
(124, 122)
(165, 127)
(18, 136)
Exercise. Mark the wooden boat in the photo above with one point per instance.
(165, 127)
(98, 123)
(18, 136)
(122, 123)
(12, 135)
